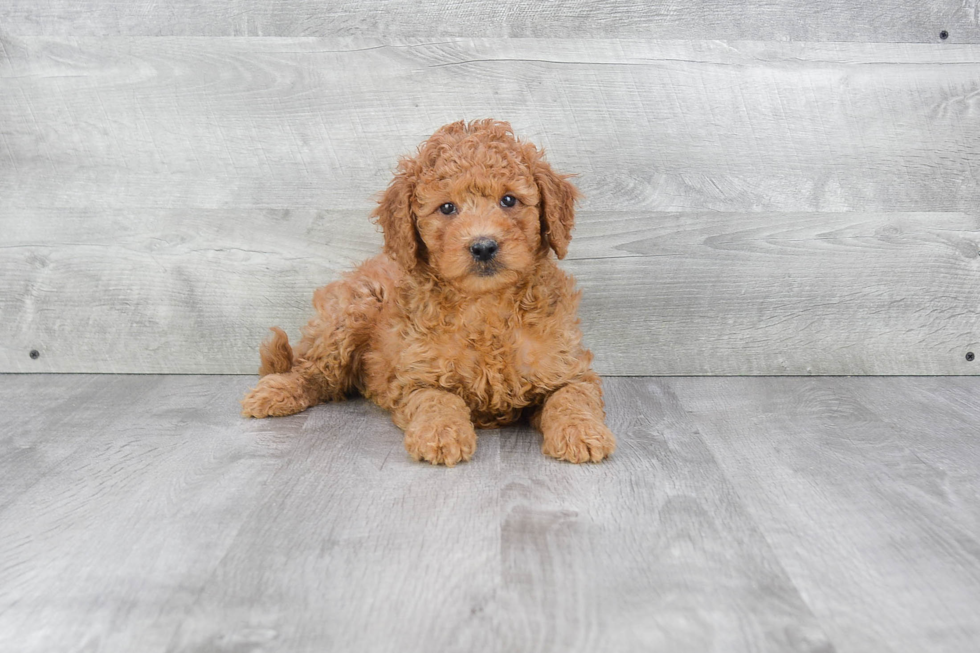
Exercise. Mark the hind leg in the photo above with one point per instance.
(326, 361)
(322, 369)
(278, 395)
(281, 391)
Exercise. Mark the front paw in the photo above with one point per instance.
(445, 442)
(578, 442)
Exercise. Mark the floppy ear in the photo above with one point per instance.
(558, 197)
(394, 214)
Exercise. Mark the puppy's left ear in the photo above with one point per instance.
(394, 214)
(558, 197)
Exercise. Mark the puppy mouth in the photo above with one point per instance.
(487, 268)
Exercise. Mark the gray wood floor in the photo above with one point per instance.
(140, 513)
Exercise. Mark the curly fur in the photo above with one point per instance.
(447, 343)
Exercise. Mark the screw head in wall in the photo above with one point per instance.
(969, 356)
(944, 35)
(35, 354)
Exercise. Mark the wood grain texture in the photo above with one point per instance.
(673, 293)
(184, 527)
(650, 552)
(165, 291)
(37, 413)
(866, 490)
(782, 293)
(647, 125)
(130, 525)
(354, 546)
(833, 20)
(739, 514)
(752, 208)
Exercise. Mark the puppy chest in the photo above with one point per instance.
(531, 355)
(511, 366)
(497, 367)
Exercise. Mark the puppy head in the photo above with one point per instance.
(477, 207)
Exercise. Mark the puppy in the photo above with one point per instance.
(465, 321)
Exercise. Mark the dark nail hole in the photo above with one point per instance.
(35, 354)
(944, 35)
(969, 356)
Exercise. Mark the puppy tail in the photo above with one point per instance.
(276, 354)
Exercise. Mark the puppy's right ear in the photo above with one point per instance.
(394, 214)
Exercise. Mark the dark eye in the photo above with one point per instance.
(448, 208)
(507, 201)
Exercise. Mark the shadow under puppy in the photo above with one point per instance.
(465, 320)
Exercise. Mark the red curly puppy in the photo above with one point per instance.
(465, 321)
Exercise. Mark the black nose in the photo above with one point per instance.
(483, 249)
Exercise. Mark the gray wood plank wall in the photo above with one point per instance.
(771, 188)
(912, 21)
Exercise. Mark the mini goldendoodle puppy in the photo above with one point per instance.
(465, 321)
